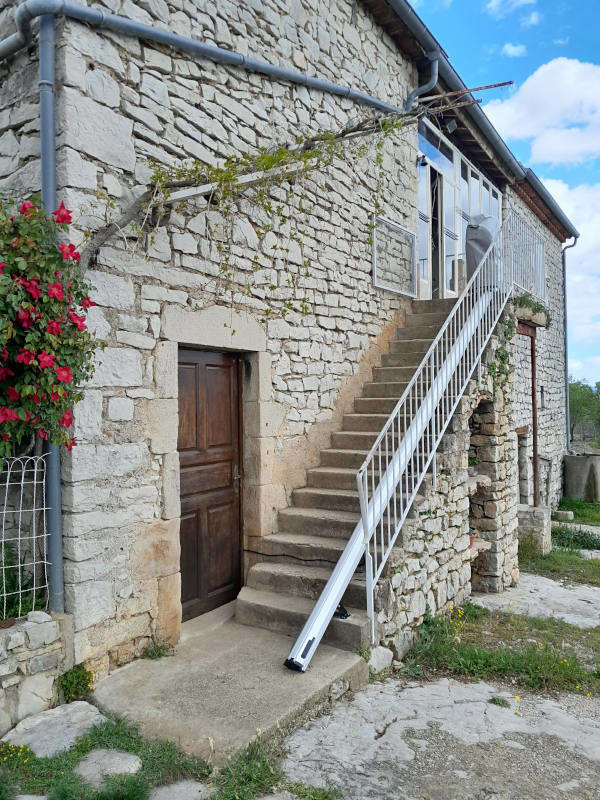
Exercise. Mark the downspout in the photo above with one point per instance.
(30, 9)
(434, 58)
(566, 338)
(56, 595)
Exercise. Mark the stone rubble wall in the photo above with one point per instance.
(122, 103)
(34, 652)
(434, 565)
(550, 360)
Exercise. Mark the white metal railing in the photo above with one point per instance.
(404, 450)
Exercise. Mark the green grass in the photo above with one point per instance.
(589, 513)
(481, 644)
(499, 701)
(157, 649)
(566, 564)
(252, 772)
(566, 536)
(161, 761)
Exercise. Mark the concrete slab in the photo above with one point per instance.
(223, 686)
(536, 596)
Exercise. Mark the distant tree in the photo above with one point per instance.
(584, 403)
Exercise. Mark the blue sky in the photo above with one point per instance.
(550, 119)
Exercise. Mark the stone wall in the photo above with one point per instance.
(33, 653)
(550, 360)
(121, 103)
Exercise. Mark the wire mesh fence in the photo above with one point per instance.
(23, 539)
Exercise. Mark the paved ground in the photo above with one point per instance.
(444, 740)
(536, 596)
(222, 686)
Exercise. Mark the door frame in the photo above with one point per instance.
(239, 360)
(221, 328)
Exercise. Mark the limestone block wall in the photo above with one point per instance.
(121, 104)
(33, 653)
(552, 438)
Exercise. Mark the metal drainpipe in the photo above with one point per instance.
(566, 339)
(434, 58)
(56, 594)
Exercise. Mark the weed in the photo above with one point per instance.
(588, 513)
(249, 774)
(364, 653)
(161, 761)
(76, 683)
(453, 644)
(567, 564)
(158, 648)
(124, 787)
(527, 301)
(499, 701)
(312, 793)
(7, 786)
(564, 536)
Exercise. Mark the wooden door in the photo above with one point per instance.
(209, 460)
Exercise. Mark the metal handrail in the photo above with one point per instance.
(393, 471)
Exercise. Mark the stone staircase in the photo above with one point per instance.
(295, 563)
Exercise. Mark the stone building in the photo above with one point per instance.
(218, 445)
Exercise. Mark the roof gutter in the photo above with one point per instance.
(30, 9)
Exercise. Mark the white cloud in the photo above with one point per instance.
(561, 42)
(581, 204)
(500, 8)
(514, 50)
(558, 109)
(531, 19)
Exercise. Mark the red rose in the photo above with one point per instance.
(42, 434)
(24, 315)
(5, 373)
(13, 394)
(45, 359)
(54, 396)
(54, 328)
(67, 419)
(71, 444)
(87, 303)
(25, 356)
(62, 214)
(6, 436)
(63, 374)
(4, 354)
(56, 290)
(36, 398)
(33, 288)
(2, 265)
(78, 321)
(26, 208)
(68, 251)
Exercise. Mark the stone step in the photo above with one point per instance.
(331, 478)
(386, 374)
(388, 389)
(429, 306)
(353, 440)
(364, 422)
(409, 360)
(317, 522)
(319, 551)
(417, 332)
(333, 499)
(287, 614)
(333, 457)
(300, 580)
(411, 345)
(374, 405)
(426, 318)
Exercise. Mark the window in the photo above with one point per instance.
(394, 257)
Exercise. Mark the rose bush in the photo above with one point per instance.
(46, 353)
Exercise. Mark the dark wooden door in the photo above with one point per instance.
(209, 461)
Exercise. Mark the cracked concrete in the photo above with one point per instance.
(536, 596)
(444, 740)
